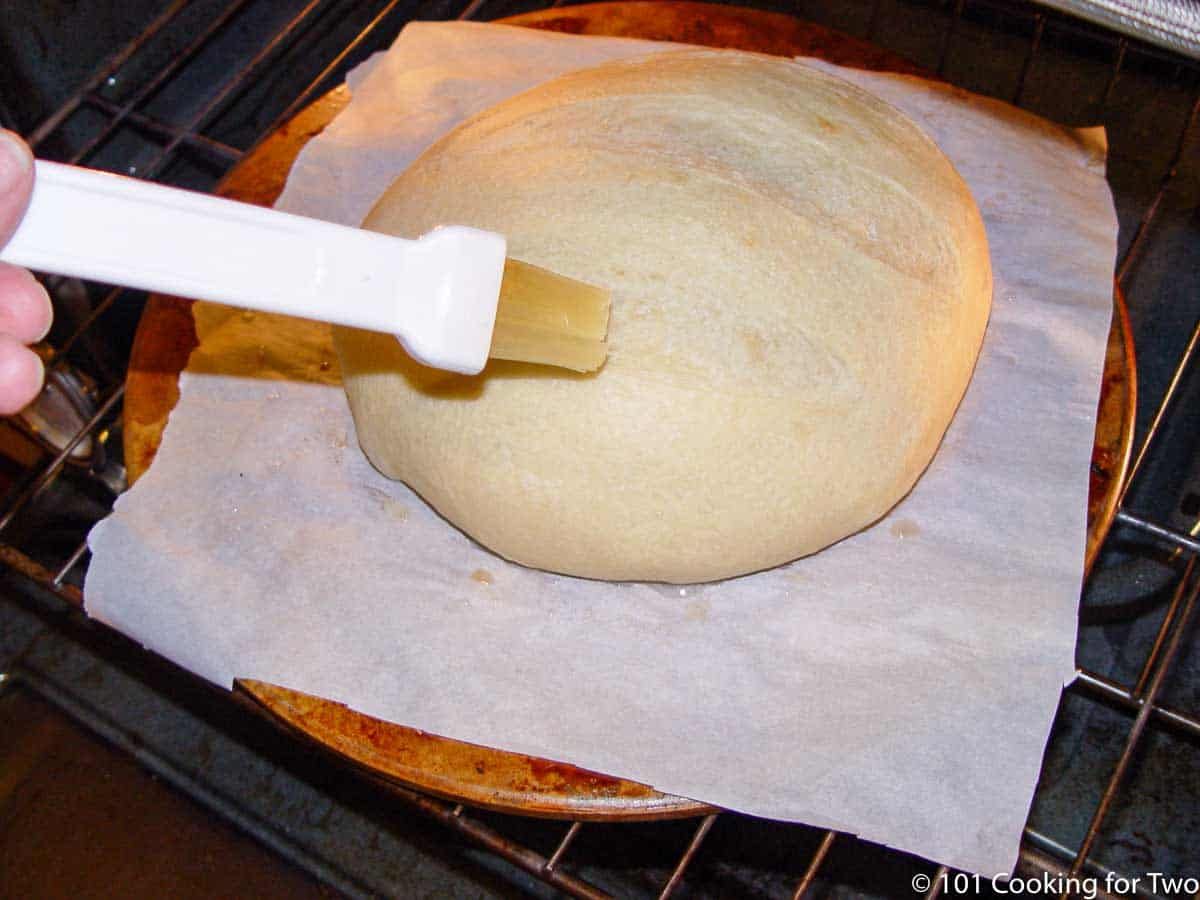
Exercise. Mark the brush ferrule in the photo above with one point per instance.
(447, 295)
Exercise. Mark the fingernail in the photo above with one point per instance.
(48, 308)
(15, 160)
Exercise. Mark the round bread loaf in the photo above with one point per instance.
(800, 286)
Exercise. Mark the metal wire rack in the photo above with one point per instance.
(130, 116)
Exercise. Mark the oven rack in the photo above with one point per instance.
(123, 99)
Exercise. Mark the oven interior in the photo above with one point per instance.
(178, 92)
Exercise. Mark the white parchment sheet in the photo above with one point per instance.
(899, 685)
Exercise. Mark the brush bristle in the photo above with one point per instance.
(549, 319)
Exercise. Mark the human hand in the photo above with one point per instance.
(25, 311)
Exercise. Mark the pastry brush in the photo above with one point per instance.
(451, 296)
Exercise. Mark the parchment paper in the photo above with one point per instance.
(899, 685)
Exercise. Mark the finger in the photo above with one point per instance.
(16, 182)
(21, 375)
(25, 311)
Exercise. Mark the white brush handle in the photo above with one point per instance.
(437, 294)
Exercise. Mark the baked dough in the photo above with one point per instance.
(800, 288)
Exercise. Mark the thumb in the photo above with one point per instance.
(16, 182)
